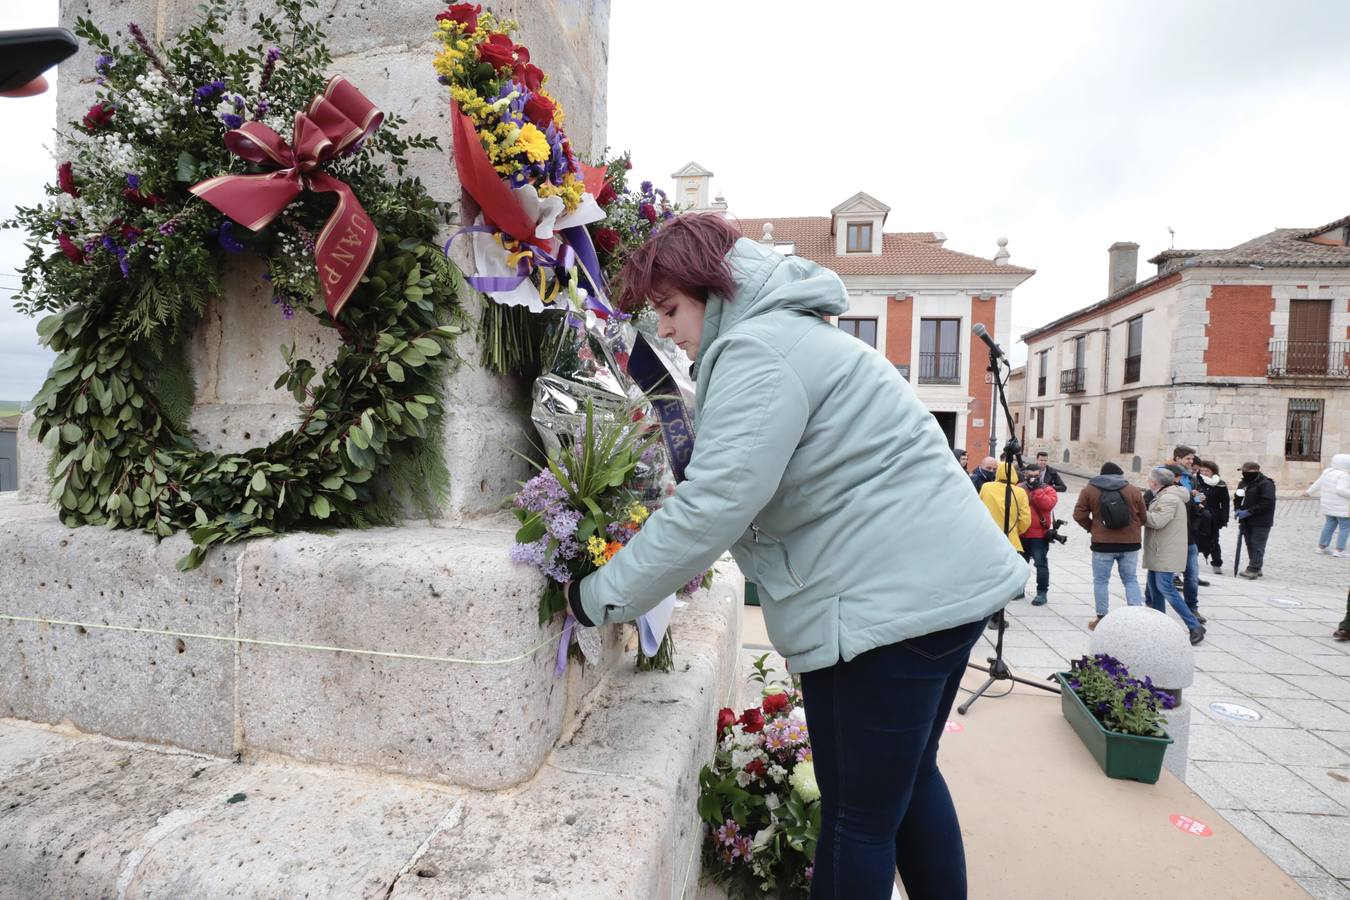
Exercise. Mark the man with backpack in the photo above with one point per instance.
(1112, 510)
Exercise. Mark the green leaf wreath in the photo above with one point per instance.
(124, 259)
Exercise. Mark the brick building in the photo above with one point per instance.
(910, 297)
(1242, 352)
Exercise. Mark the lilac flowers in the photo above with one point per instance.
(543, 494)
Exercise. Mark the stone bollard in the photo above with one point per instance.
(1152, 645)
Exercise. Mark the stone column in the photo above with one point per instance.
(440, 590)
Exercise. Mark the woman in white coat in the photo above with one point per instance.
(1332, 489)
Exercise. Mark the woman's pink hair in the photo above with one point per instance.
(688, 254)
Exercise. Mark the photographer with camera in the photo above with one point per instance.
(1042, 497)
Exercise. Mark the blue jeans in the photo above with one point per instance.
(1127, 562)
(875, 722)
(1160, 587)
(1037, 550)
(1191, 577)
(1334, 522)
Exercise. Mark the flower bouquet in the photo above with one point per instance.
(760, 799)
(515, 162)
(1118, 717)
(587, 502)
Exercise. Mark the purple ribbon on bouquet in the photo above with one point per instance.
(564, 643)
(536, 259)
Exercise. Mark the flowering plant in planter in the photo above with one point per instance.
(1119, 701)
(760, 799)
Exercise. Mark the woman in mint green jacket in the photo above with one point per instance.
(837, 494)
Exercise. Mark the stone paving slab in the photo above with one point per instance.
(1272, 777)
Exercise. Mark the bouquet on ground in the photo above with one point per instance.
(1118, 700)
(584, 506)
(759, 797)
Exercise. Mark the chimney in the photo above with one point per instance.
(1123, 271)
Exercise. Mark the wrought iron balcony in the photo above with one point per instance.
(1309, 359)
(939, 368)
(1073, 381)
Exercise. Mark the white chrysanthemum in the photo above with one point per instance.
(804, 781)
(777, 773)
(772, 802)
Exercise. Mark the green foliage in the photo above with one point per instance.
(141, 256)
(510, 338)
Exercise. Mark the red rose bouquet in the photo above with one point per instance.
(760, 799)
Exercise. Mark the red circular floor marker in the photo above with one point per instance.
(1191, 826)
(953, 727)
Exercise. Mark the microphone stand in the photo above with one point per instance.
(1012, 453)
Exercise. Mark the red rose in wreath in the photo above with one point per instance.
(97, 115)
(775, 703)
(725, 717)
(752, 720)
(607, 239)
(607, 195)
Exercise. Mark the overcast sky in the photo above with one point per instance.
(1062, 126)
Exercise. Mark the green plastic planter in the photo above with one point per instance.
(1128, 756)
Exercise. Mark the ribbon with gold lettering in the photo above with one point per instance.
(334, 122)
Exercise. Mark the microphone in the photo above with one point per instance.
(983, 334)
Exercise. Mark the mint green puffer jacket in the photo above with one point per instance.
(829, 481)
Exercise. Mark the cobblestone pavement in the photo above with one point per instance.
(1282, 779)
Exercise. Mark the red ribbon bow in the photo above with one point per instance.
(334, 121)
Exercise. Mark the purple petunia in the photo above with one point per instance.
(102, 62)
(133, 181)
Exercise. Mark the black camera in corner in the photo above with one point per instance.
(1054, 535)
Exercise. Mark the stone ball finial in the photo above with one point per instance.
(768, 233)
(1001, 257)
(1150, 644)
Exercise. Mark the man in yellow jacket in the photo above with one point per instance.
(994, 495)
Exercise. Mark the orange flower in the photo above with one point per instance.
(612, 548)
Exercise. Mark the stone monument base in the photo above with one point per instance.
(610, 812)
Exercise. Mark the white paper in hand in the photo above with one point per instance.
(652, 626)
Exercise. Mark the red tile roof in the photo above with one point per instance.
(902, 252)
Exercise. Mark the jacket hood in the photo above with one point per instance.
(1341, 461)
(1109, 482)
(1003, 470)
(1213, 480)
(767, 281)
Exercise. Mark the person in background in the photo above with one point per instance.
(1255, 504)
(1165, 546)
(1219, 505)
(1112, 510)
(1197, 522)
(1332, 490)
(1342, 633)
(994, 494)
(1049, 474)
(1035, 540)
(985, 473)
(963, 458)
